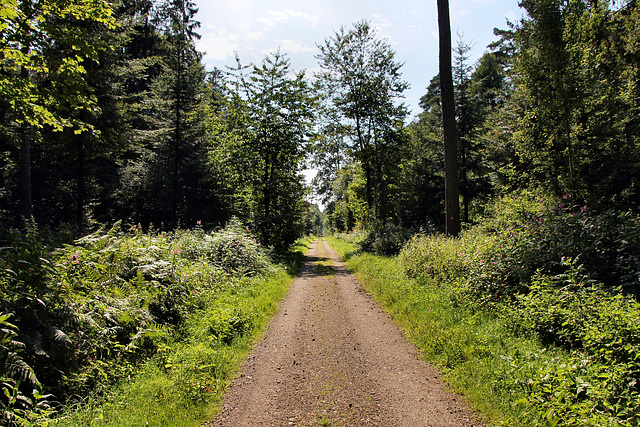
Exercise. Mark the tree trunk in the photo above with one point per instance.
(81, 180)
(25, 154)
(25, 173)
(452, 190)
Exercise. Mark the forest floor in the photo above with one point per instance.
(332, 357)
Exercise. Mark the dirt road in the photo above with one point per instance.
(331, 357)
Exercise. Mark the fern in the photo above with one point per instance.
(14, 372)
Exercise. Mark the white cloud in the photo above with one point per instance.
(277, 16)
(457, 14)
(218, 45)
(294, 46)
(255, 36)
(381, 21)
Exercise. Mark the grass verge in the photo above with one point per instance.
(183, 383)
(480, 357)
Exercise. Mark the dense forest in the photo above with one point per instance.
(109, 117)
(108, 113)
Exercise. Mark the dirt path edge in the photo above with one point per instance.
(331, 356)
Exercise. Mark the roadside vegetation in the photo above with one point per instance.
(532, 313)
(130, 327)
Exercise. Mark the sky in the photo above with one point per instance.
(255, 28)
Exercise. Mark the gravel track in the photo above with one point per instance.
(332, 357)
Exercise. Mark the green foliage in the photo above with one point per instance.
(233, 249)
(21, 400)
(599, 384)
(86, 315)
(27, 28)
(573, 83)
(571, 311)
(385, 240)
(275, 109)
(183, 382)
(579, 393)
(528, 234)
(562, 274)
(361, 83)
(429, 256)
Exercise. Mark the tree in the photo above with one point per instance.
(38, 86)
(328, 152)
(165, 181)
(466, 119)
(452, 190)
(500, 169)
(180, 87)
(546, 79)
(576, 76)
(362, 83)
(278, 114)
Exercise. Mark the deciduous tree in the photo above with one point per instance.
(279, 111)
(362, 83)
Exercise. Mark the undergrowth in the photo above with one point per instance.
(130, 327)
(533, 314)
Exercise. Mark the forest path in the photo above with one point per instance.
(332, 357)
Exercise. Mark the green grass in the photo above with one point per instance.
(480, 356)
(182, 385)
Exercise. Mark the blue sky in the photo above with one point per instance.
(253, 28)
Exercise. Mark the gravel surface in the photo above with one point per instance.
(332, 357)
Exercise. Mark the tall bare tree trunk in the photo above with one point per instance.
(452, 189)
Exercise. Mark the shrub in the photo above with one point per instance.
(88, 313)
(233, 249)
(385, 239)
(498, 259)
(564, 274)
(428, 256)
(574, 312)
(543, 232)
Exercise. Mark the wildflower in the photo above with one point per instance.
(199, 222)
